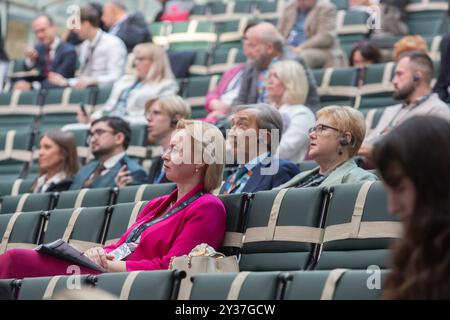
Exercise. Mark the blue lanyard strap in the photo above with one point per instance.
(137, 231)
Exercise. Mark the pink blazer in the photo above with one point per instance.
(203, 221)
(217, 92)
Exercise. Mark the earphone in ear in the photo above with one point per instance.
(344, 141)
(416, 78)
(173, 122)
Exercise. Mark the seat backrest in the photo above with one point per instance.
(235, 286)
(27, 202)
(20, 230)
(16, 187)
(84, 198)
(358, 228)
(138, 141)
(45, 288)
(83, 228)
(192, 35)
(7, 289)
(143, 192)
(336, 85)
(235, 206)
(195, 91)
(15, 147)
(138, 285)
(123, 216)
(338, 284)
(287, 241)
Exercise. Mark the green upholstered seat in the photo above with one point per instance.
(27, 202)
(296, 233)
(84, 198)
(257, 286)
(357, 246)
(25, 230)
(144, 192)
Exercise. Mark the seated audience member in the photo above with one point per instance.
(50, 55)
(409, 44)
(393, 18)
(4, 62)
(193, 214)
(109, 138)
(413, 160)
(363, 54)
(334, 141)
(442, 86)
(309, 27)
(162, 117)
(102, 55)
(263, 45)
(153, 78)
(411, 81)
(70, 36)
(132, 29)
(287, 88)
(259, 169)
(58, 162)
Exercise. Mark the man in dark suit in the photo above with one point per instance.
(49, 55)
(253, 141)
(109, 140)
(442, 86)
(131, 28)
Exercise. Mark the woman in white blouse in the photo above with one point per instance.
(287, 88)
(153, 78)
(58, 162)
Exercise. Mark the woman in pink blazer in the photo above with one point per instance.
(194, 215)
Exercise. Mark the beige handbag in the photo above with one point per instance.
(202, 259)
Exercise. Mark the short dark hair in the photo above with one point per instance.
(90, 14)
(422, 62)
(367, 50)
(119, 126)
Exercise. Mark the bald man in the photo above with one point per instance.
(50, 55)
(131, 28)
(264, 45)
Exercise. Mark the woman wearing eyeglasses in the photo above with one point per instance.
(152, 78)
(168, 226)
(334, 141)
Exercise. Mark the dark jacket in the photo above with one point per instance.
(155, 170)
(64, 63)
(443, 81)
(248, 92)
(107, 180)
(258, 182)
(134, 30)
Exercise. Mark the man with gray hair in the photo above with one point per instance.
(264, 45)
(252, 142)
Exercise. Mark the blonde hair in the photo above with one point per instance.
(160, 69)
(172, 105)
(409, 43)
(346, 119)
(208, 142)
(293, 76)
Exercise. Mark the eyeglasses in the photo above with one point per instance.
(98, 132)
(320, 128)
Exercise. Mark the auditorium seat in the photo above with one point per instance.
(20, 230)
(27, 202)
(372, 117)
(15, 153)
(235, 206)
(351, 27)
(81, 136)
(138, 142)
(8, 289)
(358, 228)
(286, 242)
(122, 217)
(230, 33)
(145, 192)
(84, 198)
(83, 228)
(141, 285)
(338, 284)
(336, 86)
(195, 91)
(192, 36)
(255, 286)
(16, 187)
(46, 288)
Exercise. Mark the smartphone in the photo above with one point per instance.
(123, 163)
(83, 109)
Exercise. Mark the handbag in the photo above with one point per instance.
(202, 259)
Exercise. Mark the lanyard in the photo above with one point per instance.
(136, 233)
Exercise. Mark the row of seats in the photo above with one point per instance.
(347, 226)
(164, 285)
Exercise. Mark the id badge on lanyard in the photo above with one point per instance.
(123, 251)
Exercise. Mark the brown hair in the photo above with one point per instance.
(409, 43)
(67, 145)
(420, 260)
